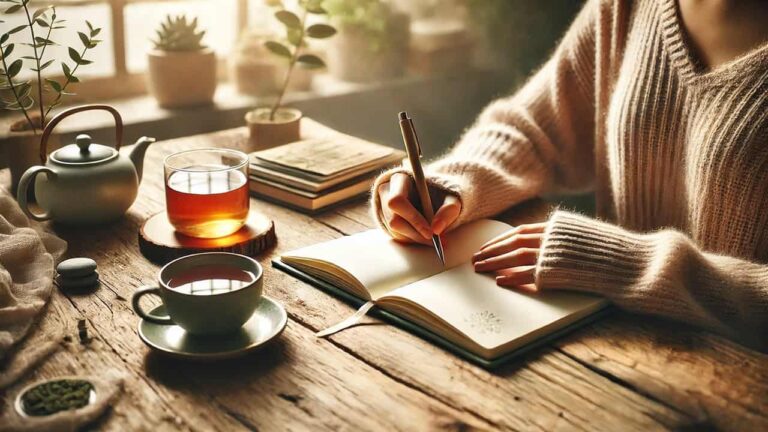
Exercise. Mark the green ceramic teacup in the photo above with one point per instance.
(205, 306)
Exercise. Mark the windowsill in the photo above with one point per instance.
(443, 104)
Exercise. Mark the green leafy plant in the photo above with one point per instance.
(178, 34)
(370, 16)
(296, 31)
(40, 27)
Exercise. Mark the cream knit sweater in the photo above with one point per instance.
(677, 157)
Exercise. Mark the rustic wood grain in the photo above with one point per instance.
(614, 375)
(159, 243)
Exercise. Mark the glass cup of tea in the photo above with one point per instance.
(206, 191)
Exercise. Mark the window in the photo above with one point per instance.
(119, 62)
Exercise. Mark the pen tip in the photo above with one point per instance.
(403, 115)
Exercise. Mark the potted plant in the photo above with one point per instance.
(182, 71)
(277, 125)
(35, 99)
(372, 44)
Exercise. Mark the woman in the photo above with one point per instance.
(660, 107)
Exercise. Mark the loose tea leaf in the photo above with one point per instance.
(54, 396)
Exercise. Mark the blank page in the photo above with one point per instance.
(491, 315)
(382, 264)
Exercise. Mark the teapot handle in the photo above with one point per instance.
(66, 113)
(21, 193)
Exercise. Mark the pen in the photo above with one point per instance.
(413, 148)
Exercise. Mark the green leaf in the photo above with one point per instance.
(46, 64)
(320, 31)
(278, 48)
(289, 19)
(66, 70)
(314, 7)
(14, 68)
(41, 22)
(85, 62)
(310, 61)
(38, 13)
(8, 50)
(4, 38)
(84, 39)
(74, 55)
(54, 85)
(17, 29)
(73, 79)
(43, 41)
(294, 36)
(13, 9)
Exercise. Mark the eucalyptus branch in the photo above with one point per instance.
(13, 90)
(37, 61)
(48, 35)
(66, 83)
(22, 90)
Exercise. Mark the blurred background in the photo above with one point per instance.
(441, 60)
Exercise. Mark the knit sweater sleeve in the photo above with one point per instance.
(539, 140)
(662, 273)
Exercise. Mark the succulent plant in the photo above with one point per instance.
(178, 34)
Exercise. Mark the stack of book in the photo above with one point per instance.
(314, 174)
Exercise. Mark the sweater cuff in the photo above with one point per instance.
(584, 254)
(442, 182)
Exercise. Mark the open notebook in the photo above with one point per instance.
(466, 309)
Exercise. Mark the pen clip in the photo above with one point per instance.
(415, 136)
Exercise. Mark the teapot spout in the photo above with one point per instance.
(137, 152)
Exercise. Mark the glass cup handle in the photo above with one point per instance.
(137, 295)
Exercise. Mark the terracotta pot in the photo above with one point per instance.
(265, 134)
(22, 151)
(182, 78)
(351, 56)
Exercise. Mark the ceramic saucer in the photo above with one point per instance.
(267, 322)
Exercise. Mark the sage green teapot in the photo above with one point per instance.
(84, 183)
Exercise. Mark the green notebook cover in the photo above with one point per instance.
(427, 334)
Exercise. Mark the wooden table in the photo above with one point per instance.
(623, 373)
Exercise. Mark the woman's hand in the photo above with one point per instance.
(512, 256)
(401, 216)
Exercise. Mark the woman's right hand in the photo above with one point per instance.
(401, 216)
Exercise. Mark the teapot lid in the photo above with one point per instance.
(83, 152)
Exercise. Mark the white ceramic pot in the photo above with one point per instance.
(182, 78)
(351, 56)
(265, 133)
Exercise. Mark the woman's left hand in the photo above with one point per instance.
(512, 256)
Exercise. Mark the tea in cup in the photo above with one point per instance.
(206, 293)
(206, 191)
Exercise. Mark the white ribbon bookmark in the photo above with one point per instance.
(348, 322)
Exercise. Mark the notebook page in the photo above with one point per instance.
(382, 264)
(489, 314)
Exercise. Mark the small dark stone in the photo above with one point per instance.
(76, 267)
(67, 283)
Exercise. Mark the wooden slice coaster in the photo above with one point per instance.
(160, 243)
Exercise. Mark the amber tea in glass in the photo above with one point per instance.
(206, 191)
